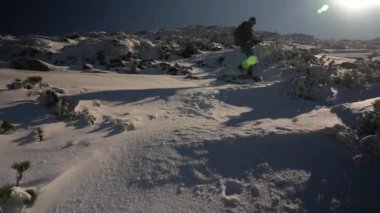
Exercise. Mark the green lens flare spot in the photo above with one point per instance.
(250, 61)
(323, 9)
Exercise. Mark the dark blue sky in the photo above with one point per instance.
(50, 17)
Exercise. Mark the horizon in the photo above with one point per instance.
(44, 17)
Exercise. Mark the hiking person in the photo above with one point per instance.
(243, 37)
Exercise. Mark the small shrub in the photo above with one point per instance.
(342, 134)
(65, 109)
(368, 124)
(38, 134)
(33, 80)
(6, 127)
(16, 84)
(48, 98)
(189, 51)
(20, 168)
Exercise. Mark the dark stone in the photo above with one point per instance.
(116, 63)
(173, 71)
(87, 67)
(30, 64)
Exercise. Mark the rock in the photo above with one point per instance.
(291, 208)
(370, 145)
(16, 84)
(173, 71)
(191, 77)
(165, 66)
(17, 200)
(147, 50)
(324, 93)
(233, 187)
(262, 169)
(255, 190)
(220, 60)
(215, 47)
(87, 66)
(342, 134)
(180, 189)
(31, 64)
(4, 64)
(115, 63)
(376, 106)
(359, 160)
(334, 204)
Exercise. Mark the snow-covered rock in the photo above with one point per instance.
(16, 202)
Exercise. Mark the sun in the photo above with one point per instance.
(359, 4)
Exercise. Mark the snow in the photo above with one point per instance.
(153, 142)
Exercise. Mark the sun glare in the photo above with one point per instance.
(359, 4)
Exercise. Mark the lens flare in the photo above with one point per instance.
(323, 9)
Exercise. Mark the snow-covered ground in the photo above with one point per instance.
(151, 142)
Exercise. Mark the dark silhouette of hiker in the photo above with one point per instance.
(243, 37)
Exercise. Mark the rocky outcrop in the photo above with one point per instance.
(31, 64)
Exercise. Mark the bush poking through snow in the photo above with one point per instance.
(20, 168)
(360, 73)
(16, 84)
(29, 83)
(34, 81)
(189, 51)
(6, 127)
(64, 109)
(314, 80)
(365, 137)
(368, 124)
(342, 134)
(38, 134)
(312, 83)
(48, 98)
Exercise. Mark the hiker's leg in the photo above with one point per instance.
(247, 50)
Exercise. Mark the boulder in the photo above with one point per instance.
(30, 64)
(215, 46)
(370, 145)
(87, 67)
(376, 106)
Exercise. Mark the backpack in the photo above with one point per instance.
(237, 36)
